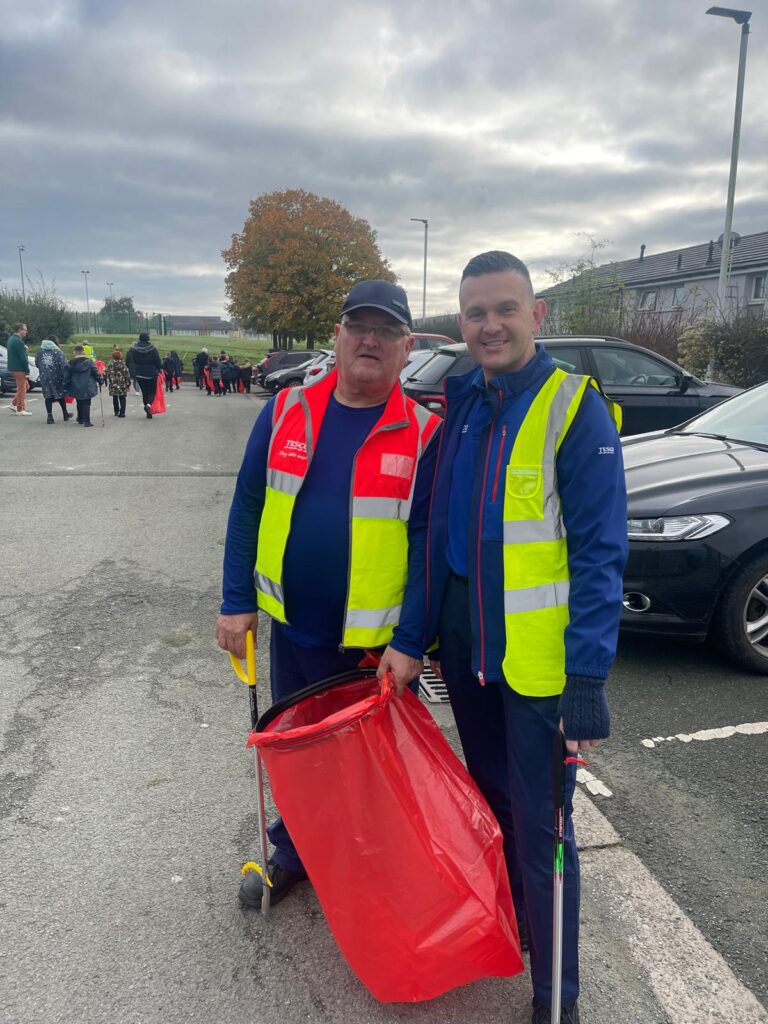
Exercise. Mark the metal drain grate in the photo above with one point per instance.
(432, 689)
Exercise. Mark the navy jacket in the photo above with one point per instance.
(480, 420)
(81, 379)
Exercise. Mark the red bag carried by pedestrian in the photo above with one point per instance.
(159, 403)
(402, 849)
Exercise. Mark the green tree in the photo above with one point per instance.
(124, 304)
(589, 301)
(294, 261)
(736, 346)
(42, 311)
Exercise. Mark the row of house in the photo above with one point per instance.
(679, 280)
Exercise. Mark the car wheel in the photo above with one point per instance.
(741, 620)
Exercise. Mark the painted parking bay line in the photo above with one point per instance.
(721, 733)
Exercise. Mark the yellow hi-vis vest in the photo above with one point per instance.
(381, 494)
(536, 579)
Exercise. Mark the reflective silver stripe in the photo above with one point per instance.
(269, 587)
(381, 508)
(372, 618)
(565, 394)
(286, 483)
(532, 599)
(531, 531)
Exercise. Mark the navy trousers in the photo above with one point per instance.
(507, 741)
(291, 668)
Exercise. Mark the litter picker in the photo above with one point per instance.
(101, 403)
(560, 758)
(249, 676)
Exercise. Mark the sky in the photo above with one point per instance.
(134, 135)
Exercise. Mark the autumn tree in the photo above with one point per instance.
(294, 261)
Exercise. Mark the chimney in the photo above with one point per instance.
(679, 261)
(642, 253)
(710, 251)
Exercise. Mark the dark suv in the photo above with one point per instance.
(280, 360)
(654, 392)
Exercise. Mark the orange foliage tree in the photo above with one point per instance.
(294, 261)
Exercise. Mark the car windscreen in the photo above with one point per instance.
(435, 369)
(743, 418)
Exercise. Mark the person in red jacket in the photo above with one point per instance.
(364, 466)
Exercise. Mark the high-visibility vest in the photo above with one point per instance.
(381, 493)
(535, 552)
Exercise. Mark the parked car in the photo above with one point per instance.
(429, 342)
(416, 359)
(654, 392)
(285, 357)
(33, 376)
(320, 369)
(698, 530)
(290, 376)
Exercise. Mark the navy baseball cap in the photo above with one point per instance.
(384, 295)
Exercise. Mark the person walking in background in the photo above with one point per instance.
(119, 382)
(81, 381)
(143, 361)
(215, 370)
(52, 364)
(18, 364)
(88, 350)
(168, 369)
(200, 362)
(246, 372)
(227, 375)
(178, 368)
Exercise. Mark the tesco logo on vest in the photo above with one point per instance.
(294, 450)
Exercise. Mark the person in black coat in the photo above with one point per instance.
(200, 363)
(178, 367)
(169, 369)
(143, 361)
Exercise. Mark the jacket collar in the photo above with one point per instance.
(509, 384)
(395, 412)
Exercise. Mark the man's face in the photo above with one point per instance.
(365, 360)
(22, 331)
(498, 320)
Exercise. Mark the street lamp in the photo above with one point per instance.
(741, 18)
(421, 220)
(111, 307)
(22, 249)
(87, 301)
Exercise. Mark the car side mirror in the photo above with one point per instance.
(685, 382)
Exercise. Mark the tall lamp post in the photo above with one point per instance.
(421, 220)
(85, 274)
(741, 18)
(111, 307)
(22, 249)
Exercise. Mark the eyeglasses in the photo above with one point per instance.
(384, 332)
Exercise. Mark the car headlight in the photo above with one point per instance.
(676, 527)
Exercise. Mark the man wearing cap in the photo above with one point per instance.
(348, 463)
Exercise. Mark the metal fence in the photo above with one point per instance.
(120, 323)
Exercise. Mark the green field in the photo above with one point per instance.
(186, 345)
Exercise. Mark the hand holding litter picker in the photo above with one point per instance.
(560, 759)
(249, 676)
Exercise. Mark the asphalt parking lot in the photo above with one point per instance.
(127, 795)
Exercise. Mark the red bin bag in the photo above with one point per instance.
(402, 849)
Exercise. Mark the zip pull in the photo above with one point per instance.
(481, 678)
(495, 490)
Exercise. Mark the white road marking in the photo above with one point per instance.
(593, 784)
(722, 733)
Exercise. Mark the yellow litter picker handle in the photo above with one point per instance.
(249, 675)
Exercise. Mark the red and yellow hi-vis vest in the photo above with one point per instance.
(381, 493)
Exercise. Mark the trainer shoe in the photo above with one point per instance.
(50, 419)
(543, 1014)
(148, 411)
(23, 412)
(282, 883)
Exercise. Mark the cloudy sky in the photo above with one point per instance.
(134, 134)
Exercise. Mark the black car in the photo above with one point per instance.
(698, 530)
(280, 360)
(653, 392)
